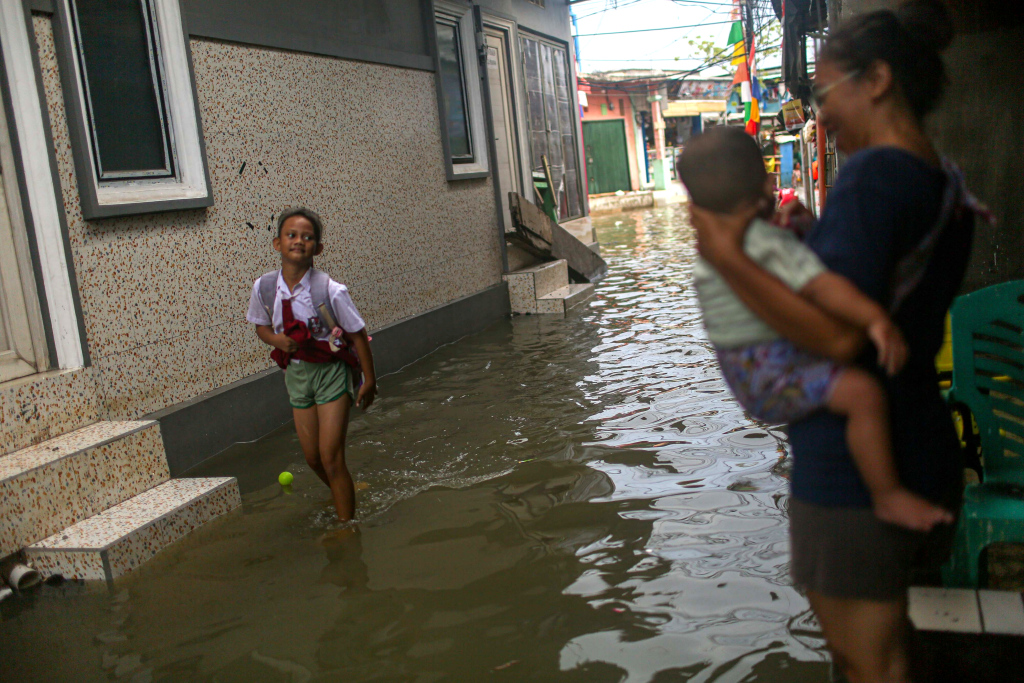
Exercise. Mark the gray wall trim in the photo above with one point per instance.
(210, 26)
(405, 341)
(257, 405)
(552, 20)
(218, 27)
(204, 426)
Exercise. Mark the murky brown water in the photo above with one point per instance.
(550, 500)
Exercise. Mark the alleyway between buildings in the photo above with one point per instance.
(572, 499)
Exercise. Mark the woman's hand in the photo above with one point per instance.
(794, 216)
(720, 235)
(892, 347)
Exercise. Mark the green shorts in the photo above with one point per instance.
(312, 384)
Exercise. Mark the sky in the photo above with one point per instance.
(663, 49)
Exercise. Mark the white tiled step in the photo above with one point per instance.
(52, 485)
(120, 539)
(967, 611)
(527, 285)
(563, 299)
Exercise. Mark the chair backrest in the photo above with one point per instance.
(988, 374)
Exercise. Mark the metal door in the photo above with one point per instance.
(604, 145)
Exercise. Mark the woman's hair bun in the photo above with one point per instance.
(927, 22)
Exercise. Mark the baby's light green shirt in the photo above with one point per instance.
(730, 324)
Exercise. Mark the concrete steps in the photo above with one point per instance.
(563, 299)
(544, 289)
(118, 540)
(52, 485)
(98, 501)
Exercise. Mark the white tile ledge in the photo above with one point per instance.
(961, 610)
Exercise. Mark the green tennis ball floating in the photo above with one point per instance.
(285, 479)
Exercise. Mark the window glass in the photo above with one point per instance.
(551, 119)
(123, 90)
(454, 88)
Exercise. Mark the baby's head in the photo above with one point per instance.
(723, 171)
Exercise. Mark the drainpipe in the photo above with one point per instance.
(575, 38)
(21, 577)
(661, 173)
(643, 136)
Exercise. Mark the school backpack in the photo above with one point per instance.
(319, 285)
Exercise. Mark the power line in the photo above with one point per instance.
(710, 63)
(662, 28)
(642, 84)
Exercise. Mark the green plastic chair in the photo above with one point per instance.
(988, 378)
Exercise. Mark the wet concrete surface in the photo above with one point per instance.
(553, 499)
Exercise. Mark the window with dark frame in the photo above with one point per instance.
(453, 86)
(123, 83)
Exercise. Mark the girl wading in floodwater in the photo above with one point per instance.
(879, 76)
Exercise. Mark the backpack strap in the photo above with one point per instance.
(319, 292)
(956, 199)
(268, 292)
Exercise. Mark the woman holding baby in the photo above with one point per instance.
(878, 77)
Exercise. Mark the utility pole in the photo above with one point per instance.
(748, 25)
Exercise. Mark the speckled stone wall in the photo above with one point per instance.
(40, 407)
(164, 295)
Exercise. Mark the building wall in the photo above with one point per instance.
(164, 295)
(623, 110)
(980, 125)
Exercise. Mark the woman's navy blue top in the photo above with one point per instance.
(884, 202)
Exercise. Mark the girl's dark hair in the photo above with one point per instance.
(310, 215)
(910, 40)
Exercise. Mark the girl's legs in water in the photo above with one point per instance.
(322, 430)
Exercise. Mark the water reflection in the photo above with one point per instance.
(570, 500)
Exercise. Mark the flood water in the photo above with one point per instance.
(552, 499)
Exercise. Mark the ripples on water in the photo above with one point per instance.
(550, 500)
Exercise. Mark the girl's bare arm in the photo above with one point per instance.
(361, 341)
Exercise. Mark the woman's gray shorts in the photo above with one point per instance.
(847, 552)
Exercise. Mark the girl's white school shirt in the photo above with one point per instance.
(302, 307)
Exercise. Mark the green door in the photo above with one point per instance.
(604, 143)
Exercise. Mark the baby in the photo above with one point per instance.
(772, 378)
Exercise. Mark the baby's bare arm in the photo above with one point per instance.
(839, 297)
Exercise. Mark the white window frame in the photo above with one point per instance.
(28, 125)
(190, 187)
(460, 14)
